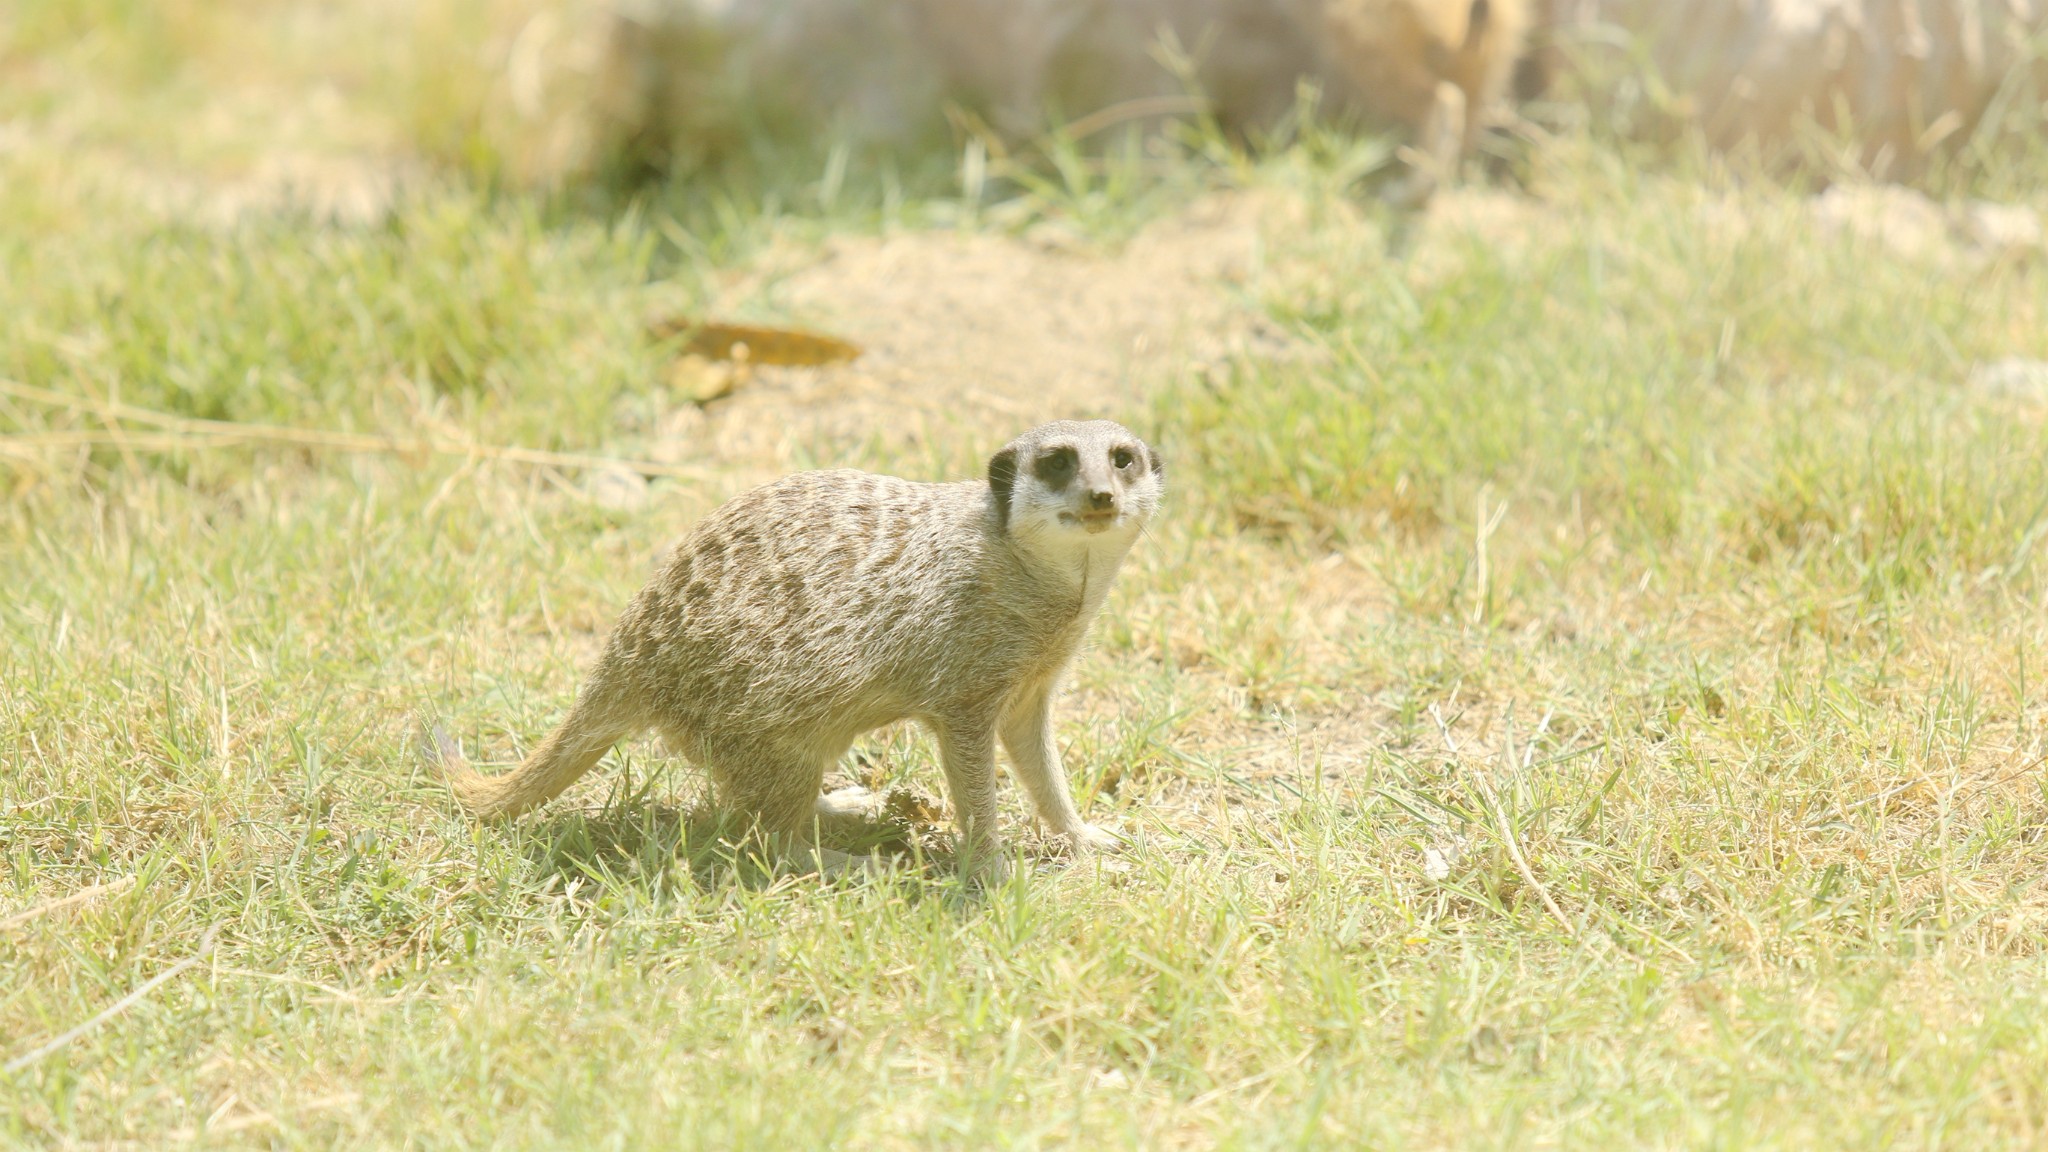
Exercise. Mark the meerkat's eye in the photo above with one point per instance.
(1122, 458)
(1057, 466)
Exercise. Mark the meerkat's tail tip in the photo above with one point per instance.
(437, 749)
(481, 796)
(572, 749)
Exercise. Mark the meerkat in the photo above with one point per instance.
(1437, 68)
(801, 614)
(680, 72)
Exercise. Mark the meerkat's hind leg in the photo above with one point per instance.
(1035, 756)
(777, 789)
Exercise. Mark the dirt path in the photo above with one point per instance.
(979, 331)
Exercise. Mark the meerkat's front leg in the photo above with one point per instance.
(967, 752)
(1027, 734)
(1439, 145)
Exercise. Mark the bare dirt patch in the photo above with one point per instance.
(973, 330)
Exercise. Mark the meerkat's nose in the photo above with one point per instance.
(1101, 500)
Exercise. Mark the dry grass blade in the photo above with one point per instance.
(79, 897)
(35, 1055)
(188, 434)
(1140, 108)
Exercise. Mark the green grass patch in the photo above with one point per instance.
(1585, 690)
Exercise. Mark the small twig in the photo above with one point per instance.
(78, 897)
(117, 1007)
(1915, 782)
(1887, 794)
(192, 434)
(107, 418)
(1529, 745)
(2022, 770)
(1507, 831)
(1443, 728)
(1137, 109)
(1252, 1081)
(1507, 836)
(1482, 531)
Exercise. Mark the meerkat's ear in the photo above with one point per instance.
(1002, 479)
(1158, 463)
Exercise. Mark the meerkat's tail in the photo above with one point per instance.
(573, 748)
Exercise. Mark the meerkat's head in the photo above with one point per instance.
(1084, 483)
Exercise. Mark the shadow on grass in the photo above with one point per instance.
(656, 845)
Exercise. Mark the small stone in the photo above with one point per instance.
(1055, 236)
(2014, 376)
(2002, 229)
(1439, 859)
(616, 489)
(1900, 219)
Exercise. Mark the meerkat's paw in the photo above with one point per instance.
(1093, 838)
(987, 867)
(852, 800)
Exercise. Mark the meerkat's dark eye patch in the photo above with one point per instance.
(1056, 468)
(1122, 458)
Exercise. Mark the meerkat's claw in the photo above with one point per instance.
(1094, 838)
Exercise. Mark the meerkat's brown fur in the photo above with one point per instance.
(684, 76)
(801, 614)
(1437, 68)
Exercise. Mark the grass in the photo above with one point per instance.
(1704, 810)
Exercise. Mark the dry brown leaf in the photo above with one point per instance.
(756, 344)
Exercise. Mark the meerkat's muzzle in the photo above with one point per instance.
(1091, 521)
(1098, 513)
